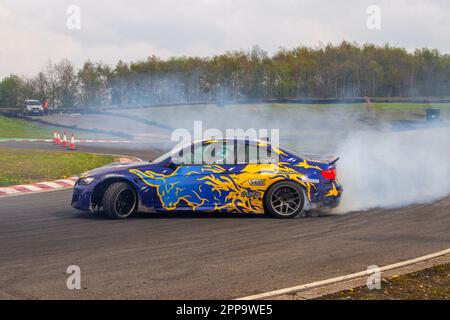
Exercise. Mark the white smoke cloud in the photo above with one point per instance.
(393, 169)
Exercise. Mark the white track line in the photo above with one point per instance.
(38, 187)
(52, 185)
(29, 187)
(364, 273)
(8, 191)
(76, 140)
(71, 182)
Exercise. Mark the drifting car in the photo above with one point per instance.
(33, 107)
(213, 175)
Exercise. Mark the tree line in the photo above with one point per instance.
(329, 71)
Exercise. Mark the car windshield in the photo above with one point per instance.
(162, 158)
(33, 103)
(167, 155)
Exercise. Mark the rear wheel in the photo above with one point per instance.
(285, 200)
(119, 200)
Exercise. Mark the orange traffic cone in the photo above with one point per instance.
(58, 138)
(72, 143)
(64, 143)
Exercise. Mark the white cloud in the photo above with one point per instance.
(34, 31)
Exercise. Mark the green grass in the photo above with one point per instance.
(27, 166)
(17, 128)
(11, 128)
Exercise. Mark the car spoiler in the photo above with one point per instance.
(325, 159)
(334, 160)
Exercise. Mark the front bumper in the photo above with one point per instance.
(35, 111)
(81, 197)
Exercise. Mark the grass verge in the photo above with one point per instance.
(18, 128)
(11, 128)
(27, 166)
(429, 284)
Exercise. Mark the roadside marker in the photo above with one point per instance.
(58, 138)
(64, 139)
(72, 143)
(54, 136)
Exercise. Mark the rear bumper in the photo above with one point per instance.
(331, 195)
(331, 202)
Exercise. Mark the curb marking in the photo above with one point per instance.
(38, 186)
(78, 141)
(49, 185)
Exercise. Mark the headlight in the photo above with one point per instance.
(86, 181)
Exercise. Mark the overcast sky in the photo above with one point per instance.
(35, 31)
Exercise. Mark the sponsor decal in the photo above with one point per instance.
(251, 194)
(256, 182)
(306, 179)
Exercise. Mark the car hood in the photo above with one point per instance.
(115, 168)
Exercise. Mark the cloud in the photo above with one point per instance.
(34, 32)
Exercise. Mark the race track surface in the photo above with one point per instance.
(186, 256)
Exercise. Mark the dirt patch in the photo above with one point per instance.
(429, 284)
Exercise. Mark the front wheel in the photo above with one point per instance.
(119, 201)
(285, 200)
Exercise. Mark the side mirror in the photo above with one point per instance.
(174, 163)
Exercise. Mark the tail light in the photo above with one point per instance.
(329, 174)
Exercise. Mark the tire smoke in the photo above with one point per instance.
(393, 169)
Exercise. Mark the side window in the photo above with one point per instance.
(218, 153)
(267, 155)
(186, 155)
(207, 153)
(227, 153)
(250, 153)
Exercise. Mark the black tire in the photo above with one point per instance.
(284, 200)
(119, 201)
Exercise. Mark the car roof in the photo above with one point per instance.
(250, 141)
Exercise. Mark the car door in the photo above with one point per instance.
(258, 166)
(196, 182)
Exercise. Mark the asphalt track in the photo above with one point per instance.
(188, 256)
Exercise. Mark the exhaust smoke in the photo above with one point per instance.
(393, 169)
